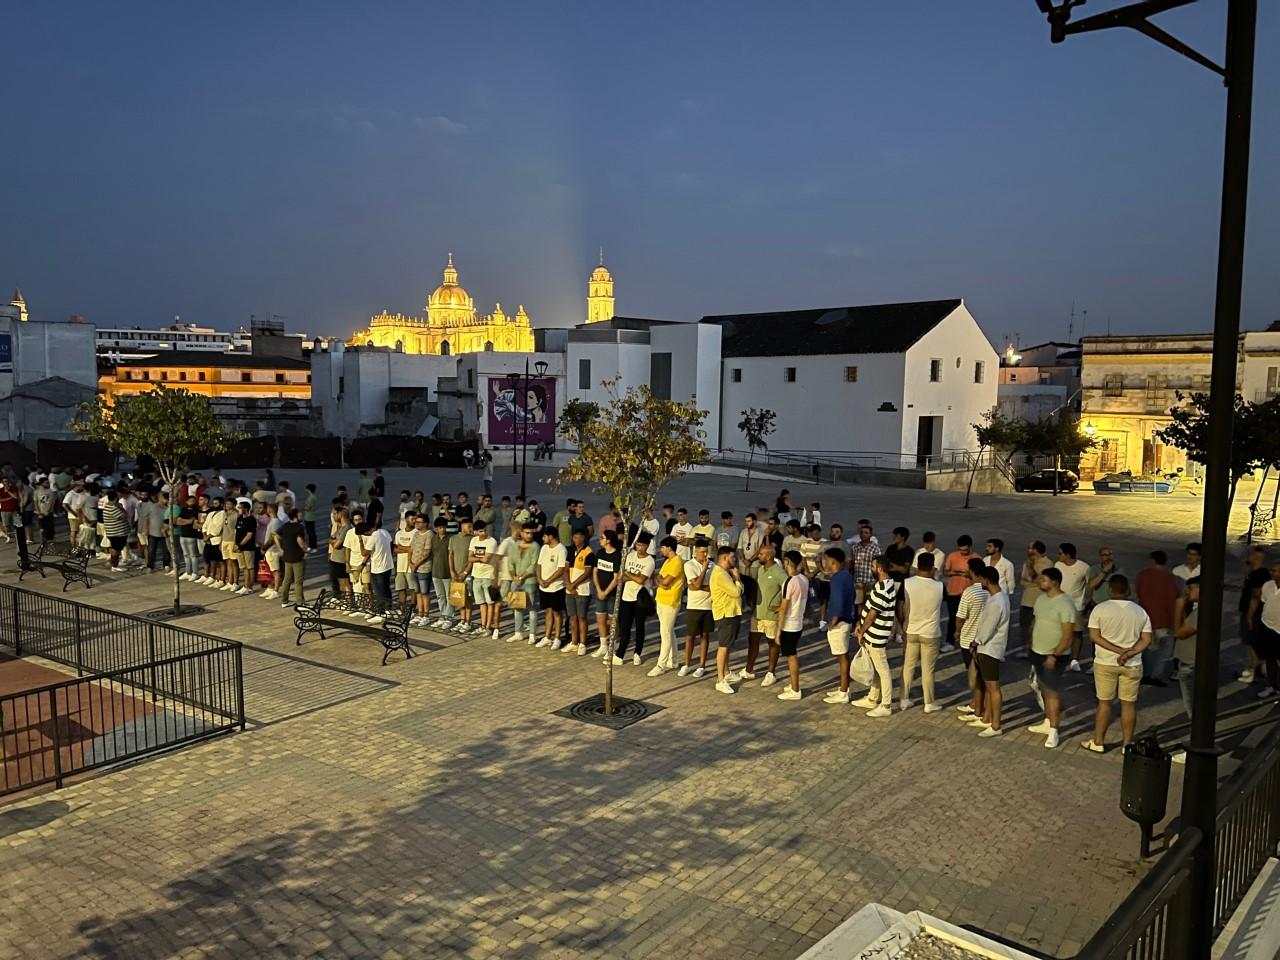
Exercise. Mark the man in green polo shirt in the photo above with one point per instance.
(1052, 630)
(770, 578)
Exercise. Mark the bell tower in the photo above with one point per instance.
(600, 293)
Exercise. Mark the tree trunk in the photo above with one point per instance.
(972, 473)
(174, 560)
(617, 602)
(751, 455)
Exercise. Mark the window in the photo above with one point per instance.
(202, 377)
(736, 374)
(1273, 381)
(979, 371)
(789, 375)
(660, 375)
(279, 378)
(1155, 386)
(182, 375)
(935, 371)
(471, 379)
(245, 376)
(1013, 377)
(850, 374)
(584, 373)
(488, 346)
(1113, 385)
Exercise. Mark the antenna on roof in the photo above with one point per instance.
(1071, 323)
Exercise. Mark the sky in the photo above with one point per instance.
(318, 161)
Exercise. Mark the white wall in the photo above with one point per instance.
(367, 377)
(821, 410)
(956, 398)
(43, 350)
(1262, 351)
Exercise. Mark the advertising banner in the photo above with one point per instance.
(510, 412)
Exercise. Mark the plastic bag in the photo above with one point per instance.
(862, 669)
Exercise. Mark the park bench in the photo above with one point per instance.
(350, 611)
(60, 555)
(1261, 520)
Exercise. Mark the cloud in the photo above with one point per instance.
(441, 124)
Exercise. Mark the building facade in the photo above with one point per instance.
(363, 391)
(115, 344)
(451, 325)
(1040, 381)
(600, 294)
(214, 375)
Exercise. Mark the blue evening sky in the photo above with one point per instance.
(317, 160)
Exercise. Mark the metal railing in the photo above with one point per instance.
(141, 687)
(808, 462)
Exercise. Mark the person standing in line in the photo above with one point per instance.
(1186, 616)
(373, 511)
(486, 463)
(364, 488)
(581, 520)
(670, 587)
(726, 611)
(637, 569)
(246, 540)
(1264, 620)
(45, 501)
(792, 539)
(401, 545)
(727, 535)
(481, 553)
(748, 544)
(815, 570)
(900, 556)
(649, 523)
(972, 600)
(507, 515)
(989, 648)
(188, 534)
(922, 613)
(420, 569)
(668, 518)
(376, 545)
(561, 522)
(839, 623)
(1053, 627)
(879, 617)
(291, 539)
(930, 545)
(765, 620)
(1158, 592)
(795, 596)
(230, 550)
(72, 501)
(460, 571)
(1075, 584)
(1190, 567)
(115, 523)
(577, 595)
(606, 566)
(1100, 574)
(956, 570)
(703, 527)
(522, 564)
(864, 552)
(1120, 630)
(1256, 574)
(997, 559)
(339, 526)
(552, 561)
(1036, 563)
(309, 516)
(379, 488)
(441, 573)
(698, 622)
(682, 530)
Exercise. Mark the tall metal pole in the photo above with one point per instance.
(1199, 789)
(524, 430)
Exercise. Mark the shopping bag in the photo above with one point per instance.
(862, 669)
(518, 600)
(457, 594)
(264, 573)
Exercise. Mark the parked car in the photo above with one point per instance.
(1043, 480)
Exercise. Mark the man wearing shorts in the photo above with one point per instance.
(726, 611)
(795, 596)
(459, 570)
(1053, 627)
(480, 569)
(230, 550)
(839, 617)
(768, 600)
(1120, 630)
(577, 595)
(815, 570)
(972, 599)
(401, 544)
(420, 569)
(991, 642)
(697, 617)
(552, 560)
(246, 534)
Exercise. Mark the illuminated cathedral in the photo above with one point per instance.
(451, 325)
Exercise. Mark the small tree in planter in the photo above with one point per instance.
(756, 425)
(633, 447)
(167, 425)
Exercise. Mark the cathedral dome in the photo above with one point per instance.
(601, 273)
(449, 293)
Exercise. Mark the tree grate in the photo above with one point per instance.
(163, 614)
(625, 711)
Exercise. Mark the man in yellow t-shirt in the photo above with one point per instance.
(670, 587)
(726, 610)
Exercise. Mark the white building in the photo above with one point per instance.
(904, 379)
(134, 343)
(363, 390)
(490, 381)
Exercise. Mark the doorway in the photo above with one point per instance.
(928, 440)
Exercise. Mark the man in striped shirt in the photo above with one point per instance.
(972, 600)
(874, 633)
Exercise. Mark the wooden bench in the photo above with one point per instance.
(352, 611)
(70, 561)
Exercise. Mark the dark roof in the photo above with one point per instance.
(878, 328)
(214, 358)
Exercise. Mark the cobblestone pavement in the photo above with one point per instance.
(437, 808)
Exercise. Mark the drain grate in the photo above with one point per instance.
(625, 712)
(163, 614)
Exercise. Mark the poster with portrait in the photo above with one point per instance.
(507, 410)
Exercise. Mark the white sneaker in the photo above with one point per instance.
(933, 707)
(516, 637)
(464, 629)
(991, 732)
(822, 624)
(979, 724)
(376, 620)
(440, 624)
(1074, 666)
(866, 703)
(117, 569)
(1051, 741)
(183, 576)
(964, 708)
(656, 672)
(1266, 693)
(570, 648)
(598, 652)
(269, 594)
(683, 671)
(947, 648)
(555, 644)
(746, 675)
(582, 649)
(699, 673)
(243, 592)
(544, 642)
(880, 711)
(617, 660)
(495, 633)
(722, 686)
(789, 694)
(1246, 676)
(733, 676)
(769, 680)
(1042, 727)
(531, 640)
(837, 696)
(286, 605)
(905, 704)
(231, 587)
(636, 660)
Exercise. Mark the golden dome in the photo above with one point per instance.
(449, 294)
(601, 273)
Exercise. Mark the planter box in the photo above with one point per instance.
(879, 933)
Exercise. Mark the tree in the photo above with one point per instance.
(574, 417)
(756, 425)
(1055, 434)
(995, 432)
(1251, 436)
(629, 451)
(166, 425)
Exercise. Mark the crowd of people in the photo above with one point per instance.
(773, 574)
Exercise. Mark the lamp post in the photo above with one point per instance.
(521, 386)
(1199, 791)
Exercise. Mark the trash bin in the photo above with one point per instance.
(1144, 785)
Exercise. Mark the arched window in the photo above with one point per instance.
(444, 348)
(488, 346)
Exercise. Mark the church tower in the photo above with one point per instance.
(19, 304)
(600, 293)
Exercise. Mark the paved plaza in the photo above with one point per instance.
(436, 807)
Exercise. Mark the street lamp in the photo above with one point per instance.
(520, 385)
(1199, 791)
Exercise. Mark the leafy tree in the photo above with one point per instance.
(1252, 434)
(1055, 434)
(995, 432)
(634, 447)
(167, 425)
(756, 425)
(574, 417)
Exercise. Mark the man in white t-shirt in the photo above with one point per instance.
(930, 546)
(1185, 571)
(552, 559)
(1075, 584)
(683, 532)
(1004, 566)
(482, 569)
(795, 597)
(1263, 617)
(697, 619)
(356, 567)
(637, 570)
(923, 616)
(402, 543)
(1120, 630)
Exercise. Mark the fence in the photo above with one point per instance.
(141, 687)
